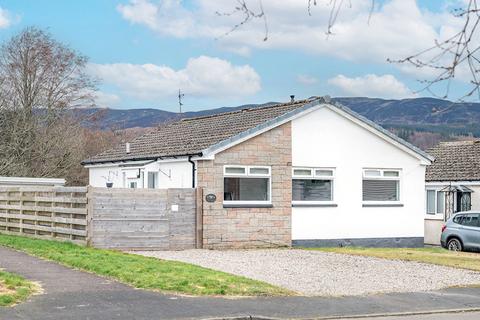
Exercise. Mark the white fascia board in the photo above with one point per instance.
(210, 152)
(138, 164)
(423, 160)
(116, 164)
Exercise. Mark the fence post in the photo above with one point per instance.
(199, 218)
(89, 215)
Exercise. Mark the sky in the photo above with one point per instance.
(144, 51)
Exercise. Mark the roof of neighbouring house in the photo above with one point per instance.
(195, 136)
(455, 161)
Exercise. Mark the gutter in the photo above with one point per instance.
(88, 162)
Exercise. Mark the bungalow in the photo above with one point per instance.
(452, 184)
(306, 173)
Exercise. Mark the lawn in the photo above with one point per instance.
(437, 256)
(143, 272)
(14, 289)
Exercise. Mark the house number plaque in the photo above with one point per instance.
(211, 197)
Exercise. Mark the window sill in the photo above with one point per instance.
(382, 205)
(314, 205)
(435, 217)
(248, 205)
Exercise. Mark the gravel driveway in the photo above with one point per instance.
(322, 273)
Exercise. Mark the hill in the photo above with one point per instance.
(419, 114)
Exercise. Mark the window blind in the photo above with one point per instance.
(380, 190)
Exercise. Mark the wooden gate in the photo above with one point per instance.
(142, 219)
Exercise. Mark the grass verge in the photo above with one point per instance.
(14, 289)
(438, 256)
(143, 272)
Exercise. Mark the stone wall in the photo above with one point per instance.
(250, 227)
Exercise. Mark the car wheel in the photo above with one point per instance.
(454, 245)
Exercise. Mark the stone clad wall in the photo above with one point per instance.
(250, 227)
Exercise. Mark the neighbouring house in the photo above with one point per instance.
(305, 173)
(452, 184)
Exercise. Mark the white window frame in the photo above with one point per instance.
(247, 174)
(436, 215)
(156, 179)
(383, 177)
(313, 176)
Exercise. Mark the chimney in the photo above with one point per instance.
(127, 147)
(292, 98)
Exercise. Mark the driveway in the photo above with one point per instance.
(326, 274)
(71, 294)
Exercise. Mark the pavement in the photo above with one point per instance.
(71, 294)
(444, 316)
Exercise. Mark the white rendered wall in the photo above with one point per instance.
(324, 138)
(171, 174)
(475, 197)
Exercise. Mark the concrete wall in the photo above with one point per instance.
(171, 174)
(433, 231)
(326, 139)
(250, 227)
(142, 219)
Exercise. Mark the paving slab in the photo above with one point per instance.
(72, 294)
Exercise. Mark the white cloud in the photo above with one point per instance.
(5, 18)
(371, 85)
(202, 77)
(106, 100)
(166, 17)
(306, 79)
(397, 28)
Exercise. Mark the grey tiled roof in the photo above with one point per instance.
(455, 161)
(191, 136)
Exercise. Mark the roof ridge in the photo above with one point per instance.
(303, 101)
(459, 142)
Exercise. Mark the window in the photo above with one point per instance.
(152, 180)
(435, 202)
(470, 220)
(312, 185)
(440, 202)
(132, 185)
(458, 219)
(381, 185)
(246, 185)
(431, 196)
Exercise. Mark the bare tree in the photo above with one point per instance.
(40, 80)
(446, 58)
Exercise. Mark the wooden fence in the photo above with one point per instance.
(44, 212)
(142, 219)
(130, 219)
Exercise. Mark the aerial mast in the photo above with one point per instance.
(180, 96)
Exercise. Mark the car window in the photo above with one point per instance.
(458, 219)
(470, 220)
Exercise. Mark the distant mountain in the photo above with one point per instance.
(143, 118)
(419, 114)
